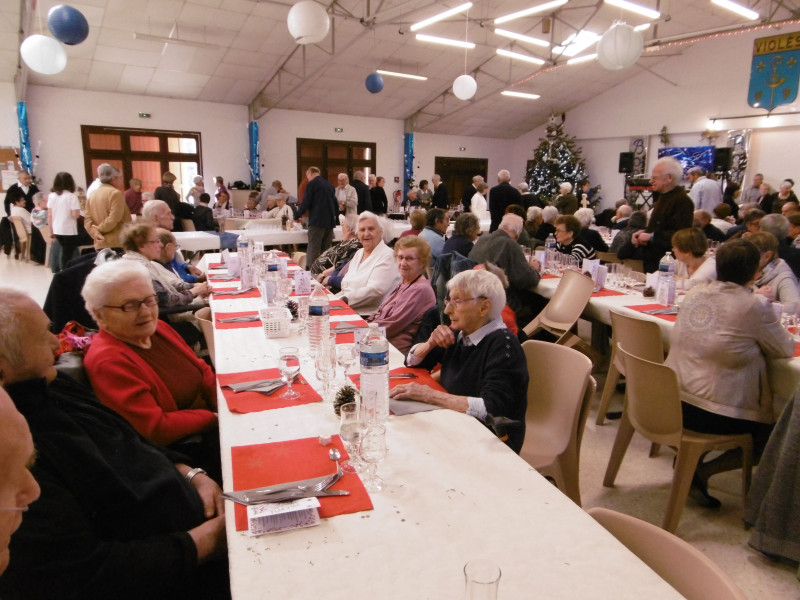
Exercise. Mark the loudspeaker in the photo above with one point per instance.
(626, 162)
(722, 160)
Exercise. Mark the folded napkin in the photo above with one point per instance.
(645, 307)
(232, 315)
(247, 402)
(216, 265)
(270, 464)
(254, 293)
(605, 292)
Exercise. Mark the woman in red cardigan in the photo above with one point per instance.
(141, 368)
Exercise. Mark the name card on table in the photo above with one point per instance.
(226, 254)
(234, 265)
(282, 516)
(302, 283)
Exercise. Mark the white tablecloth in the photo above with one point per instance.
(195, 241)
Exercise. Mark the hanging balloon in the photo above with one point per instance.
(308, 22)
(43, 54)
(464, 87)
(620, 47)
(67, 24)
(374, 82)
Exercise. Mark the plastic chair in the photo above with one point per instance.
(300, 259)
(564, 309)
(608, 257)
(188, 225)
(653, 408)
(205, 318)
(46, 236)
(677, 562)
(642, 338)
(22, 238)
(635, 265)
(560, 392)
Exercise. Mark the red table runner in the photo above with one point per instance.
(231, 315)
(247, 402)
(423, 377)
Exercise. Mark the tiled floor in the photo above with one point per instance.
(642, 485)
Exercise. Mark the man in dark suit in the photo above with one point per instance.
(362, 191)
(470, 191)
(500, 197)
(319, 201)
(441, 198)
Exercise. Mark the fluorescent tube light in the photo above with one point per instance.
(748, 14)
(635, 8)
(445, 41)
(581, 59)
(518, 56)
(522, 38)
(577, 43)
(440, 17)
(168, 40)
(520, 95)
(642, 27)
(404, 75)
(530, 11)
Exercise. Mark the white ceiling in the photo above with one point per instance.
(252, 60)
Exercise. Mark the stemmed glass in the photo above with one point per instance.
(302, 312)
(350, 430)
(373, 451)
(289, 365)
(325, 363)
(345, 357)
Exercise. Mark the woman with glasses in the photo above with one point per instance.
(483, 369)
(141, 368)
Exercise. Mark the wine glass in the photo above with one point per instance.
(346, 357)
(289, 365)
(373, 451)
(350, 430)
(325, 363)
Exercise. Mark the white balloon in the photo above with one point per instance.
(43, 54)
(464, 87)
(308, 22)
(620, 47)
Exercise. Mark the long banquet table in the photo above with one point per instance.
(454, 493)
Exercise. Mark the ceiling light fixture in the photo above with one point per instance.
(168, 40)
(518, 56)
(635, 8)
(404, 75)
(530, 11)
(576, 43)
(748, 14)
(445, 41)
(520, 95)
(642, 27)
(522, 38)
(440, 17)
(581, 59)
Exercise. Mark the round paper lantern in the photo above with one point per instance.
(67, 24)
(374, 82)
(308, 22)
(43, 54)
(464, 87)
(620, 47)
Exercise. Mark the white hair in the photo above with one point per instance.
(481, 284)
(585, 216)
(503, 175)
(198, 179)
(105, 173)
(477, 179)
(534, 212)
(383, 224)
(522, 187)
(566, 186)
(672, 167)
(11, 329)
(511, 223)
(153, 208)
(104, 278)
(549, 213)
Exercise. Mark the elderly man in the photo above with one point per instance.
(470, 191)
(778, 225)
(319, 201)
(412, 200)
(702, 219)
(705, 194)
(789, 207)
(566, 202)
(753, 193)
(362, 191)
(106, 210)
(158, 213)
(621, 217)
(501, 197)
(133, 196)
(436, 223)
(346, 195)
(118, 517)
(440, 199)
(527, 197)
(672, 211)
(23, 188)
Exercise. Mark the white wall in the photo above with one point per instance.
(55, 116)
(499, 152)
(9, 131)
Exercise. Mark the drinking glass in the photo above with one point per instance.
(302, 312)
(351, 429)
(373, 451)
(482, 580)
(325, 366)
(346, 357)
(289, 365)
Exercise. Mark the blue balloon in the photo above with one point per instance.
(67, 24)
(374, 83)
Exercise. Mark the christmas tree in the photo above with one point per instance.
(556, 160)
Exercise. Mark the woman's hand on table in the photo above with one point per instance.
(200, 289)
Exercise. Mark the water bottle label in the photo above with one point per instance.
(374, 359)
(272, 267)
(318, 311)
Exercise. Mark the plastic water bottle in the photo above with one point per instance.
(374, 350)
(242, 248)
(319, 322)
(666, 280)
(549, 251)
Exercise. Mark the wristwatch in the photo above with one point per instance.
(194, 473)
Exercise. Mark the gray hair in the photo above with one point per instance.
(106, 277)
(359, 175)
(197, 179)
(350, 219)
(481, 284)
(11, 334)
(534, 212)
(511, 223)
(777, 225)
(105, 173)
(549, 213)
(625, 210)
(382, 224)
(148, 196)
(477, 179)
(566, 185)
(503, 175)
(522, 187)
(672, 167)
(153, 208)
(585, 216)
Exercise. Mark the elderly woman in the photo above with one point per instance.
(590, 236)
(569, 239)
(533, 219)
(478, 207)
(334, 257)
(783, 195)
(689, 247)
(425, 194)
(197, 189)
(402, 310)
(775, 279)
(141, 368)
(417, 221)
(465, 232)
(719, 347)
(549, 214)
(372, 271)
(483, 367)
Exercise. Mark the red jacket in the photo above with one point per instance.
(124, 382)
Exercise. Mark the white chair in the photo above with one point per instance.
(564, 309)
(23, 239)
(205, 318)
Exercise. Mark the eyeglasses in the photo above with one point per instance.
(135, 305)
(459, 301)
(406, 258)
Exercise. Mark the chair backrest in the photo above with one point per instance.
(640, 337)
(188, 225)
(634, 264)
(608, 257)
(204, 317)
(653, 402)
(556, 390)
(19, 227)
(300, 259)
(568, 301)
(684, 567)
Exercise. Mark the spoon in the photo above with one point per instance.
(334, 455)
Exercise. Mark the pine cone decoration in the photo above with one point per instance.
(345, 394)
(292, 306)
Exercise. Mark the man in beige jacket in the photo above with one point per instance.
(106, 210)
